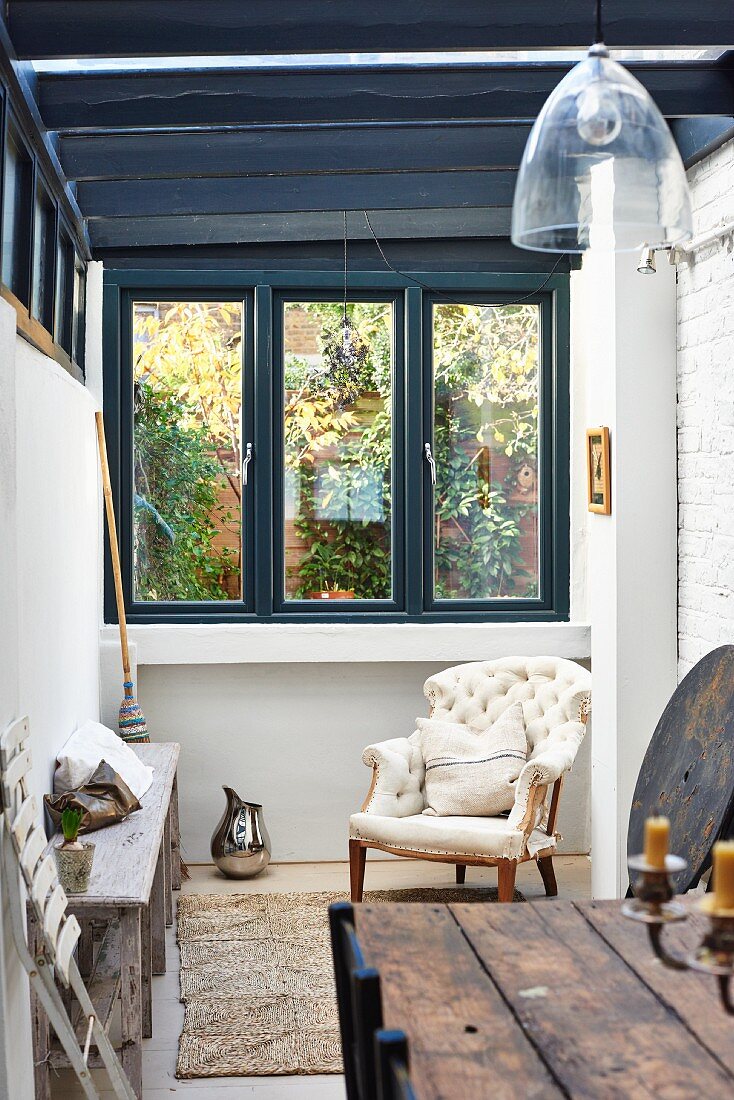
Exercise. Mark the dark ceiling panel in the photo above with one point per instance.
(292, 151)
(403, 94)
(232, 229)
(697, 138)
(286, 194)
(17, 80)
(138, 28)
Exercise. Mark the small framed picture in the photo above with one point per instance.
(598, 468)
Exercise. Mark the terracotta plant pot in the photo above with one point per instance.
(347, 594)
(74, 866)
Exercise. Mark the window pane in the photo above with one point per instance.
(80, 310)
(64, 292)
(485, 365)
(44, 251)
(187, 372)
(338, 448)
(16, 217)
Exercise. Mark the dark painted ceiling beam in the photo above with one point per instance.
(139, 28)
(292, 194)
(697, 138)
(325, 151)
(326, 225)
(18, 82)
(133, 100)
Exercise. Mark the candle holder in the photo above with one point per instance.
(654, 905)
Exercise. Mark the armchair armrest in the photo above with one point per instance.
(554, 758)
(397, 778)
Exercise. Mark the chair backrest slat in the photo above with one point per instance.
(367, 1010)
(54, 911)
(16, 770)
(359, 1001)
(350, 946)
(48, 955)
(11, 740)
(65, 944)
(43, 880)
(391, 1056)
(31, 852)
(24, 820)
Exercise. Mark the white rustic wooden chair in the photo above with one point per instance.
(556, 700)
(23, 846)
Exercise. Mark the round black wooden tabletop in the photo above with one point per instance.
(688, 770)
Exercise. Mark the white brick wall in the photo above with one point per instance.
(706, 422)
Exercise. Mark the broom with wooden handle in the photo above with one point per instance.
(131, 721)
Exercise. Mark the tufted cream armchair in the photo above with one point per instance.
(556, 700)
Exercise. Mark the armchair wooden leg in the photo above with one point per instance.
(460, 873)
(357, 857)
(548, 875)
(506, 870)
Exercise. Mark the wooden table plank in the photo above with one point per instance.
(601, 1031)
(463, 1041)
(126, 854)
(693, 997)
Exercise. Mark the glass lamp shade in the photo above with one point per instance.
(600, 168)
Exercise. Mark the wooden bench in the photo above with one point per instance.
(123, 917)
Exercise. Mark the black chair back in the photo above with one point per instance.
(359, 1002)
(391, 1056)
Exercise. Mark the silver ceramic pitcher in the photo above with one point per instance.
(240, 845)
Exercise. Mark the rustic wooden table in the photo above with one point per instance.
(546, 999)
(136, 865)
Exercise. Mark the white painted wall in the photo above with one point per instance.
(49, 605)
(291, 736)
(15, 1061)
(289, 709)
(706, 421)
(58, 535)
(623, 340)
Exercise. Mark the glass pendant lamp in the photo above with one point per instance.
(600, 168)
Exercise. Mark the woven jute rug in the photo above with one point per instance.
(257, 980)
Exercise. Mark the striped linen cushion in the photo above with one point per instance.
(471, 773)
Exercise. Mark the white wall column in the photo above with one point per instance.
(49, 603)
(16, 1057)
(624, 343)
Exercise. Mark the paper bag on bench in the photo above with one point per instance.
(104, 799)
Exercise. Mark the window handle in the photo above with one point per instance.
(431, 461)
(249, 455)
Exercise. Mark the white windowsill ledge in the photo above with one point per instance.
(275, 643)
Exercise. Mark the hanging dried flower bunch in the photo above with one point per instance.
(345, 353)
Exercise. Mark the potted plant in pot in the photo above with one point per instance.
(73, 857)
(331, 591)
(319, 574)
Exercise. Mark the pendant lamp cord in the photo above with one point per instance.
(441, 293)
(599, 32)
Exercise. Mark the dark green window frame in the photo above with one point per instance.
(263, 294)
(49, 307)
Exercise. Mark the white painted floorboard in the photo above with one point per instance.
(159, 1060)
